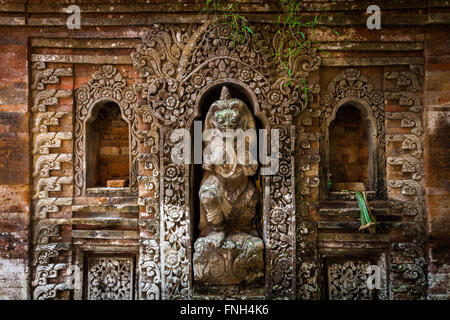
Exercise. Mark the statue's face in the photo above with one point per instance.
(227, 119)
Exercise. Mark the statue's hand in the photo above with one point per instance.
(211, 203)
(207, 166)
(214, 218)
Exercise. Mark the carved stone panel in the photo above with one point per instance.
(110, 278)
(347, 280)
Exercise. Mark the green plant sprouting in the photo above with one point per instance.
(228, 12)
(291, 29)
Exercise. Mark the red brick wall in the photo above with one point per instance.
(349, 147)
(111, 146)
(14, 168)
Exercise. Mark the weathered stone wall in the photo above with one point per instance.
(15, 187)
(413, 42)
(437, 160)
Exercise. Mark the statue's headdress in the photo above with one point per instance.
(227, 102)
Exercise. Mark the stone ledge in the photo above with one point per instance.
(352, 212)
(147, 19)
(340, 225)
(372, 46)
(12, 21)
(86, 59)
(374, 61)
(12, 7)
(85, 43)
(353, 237)
(106, 208)
(252, 292)
(104, 222)
(244, 6)
(105, 234)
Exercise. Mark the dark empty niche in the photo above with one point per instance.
(350, 147)
(107, 148)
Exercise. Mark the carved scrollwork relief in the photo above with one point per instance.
(149, 266)
(50, 256)
(149, 271)
(409, 271)
(307, 182)
(49, 277)
(408, 266)
(176, 63)
(44, 75)
(106, 85)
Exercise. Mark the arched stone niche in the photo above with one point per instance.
(178, 64)
(107, 144)
(351, 88)
(371, 141)
(106, 85)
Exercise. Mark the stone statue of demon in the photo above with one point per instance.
(229, 250)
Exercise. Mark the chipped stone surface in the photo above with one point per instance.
(13, 279)
(236, 260)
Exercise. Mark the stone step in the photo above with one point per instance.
(122, 207)
(338, 204)
(351, 212)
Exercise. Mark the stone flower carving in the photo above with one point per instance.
(347, 281)
(110, 279)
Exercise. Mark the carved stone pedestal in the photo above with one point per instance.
(234, 260)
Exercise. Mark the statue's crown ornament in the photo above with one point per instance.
(225, 93)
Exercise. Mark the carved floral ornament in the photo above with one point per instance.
(348, 281)
(177, 62)
(105, 85)
(176, 65)
(110, 278)
(349, 85)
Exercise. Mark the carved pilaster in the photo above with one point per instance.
(51, 257)
(408, 266)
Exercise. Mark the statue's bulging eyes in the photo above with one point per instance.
(227, 118)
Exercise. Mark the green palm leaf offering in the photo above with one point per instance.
(367, 220)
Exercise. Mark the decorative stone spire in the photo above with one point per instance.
(225, 94)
